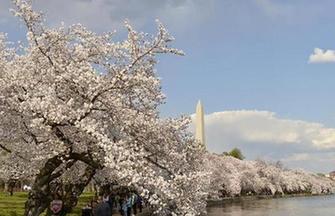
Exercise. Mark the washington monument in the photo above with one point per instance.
(199, 124)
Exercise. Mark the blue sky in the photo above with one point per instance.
(249, 55)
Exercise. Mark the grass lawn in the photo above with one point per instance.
(14, 205)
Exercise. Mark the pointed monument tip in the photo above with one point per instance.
(199, 106)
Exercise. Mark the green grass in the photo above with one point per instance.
(14, 205)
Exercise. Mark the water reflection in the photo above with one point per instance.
(304, 206)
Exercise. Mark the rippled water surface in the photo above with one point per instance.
(299, 206)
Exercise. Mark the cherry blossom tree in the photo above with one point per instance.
(75, 104)
(232, 177)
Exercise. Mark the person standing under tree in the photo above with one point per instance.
(56, 206)
(102, 208)
(134, 202)
(87, 210)
(139, 203)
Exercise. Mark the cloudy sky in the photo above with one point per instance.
(264, 69)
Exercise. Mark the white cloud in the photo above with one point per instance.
(322, 56)
(261, 134)
(314, 161)
(298, 157)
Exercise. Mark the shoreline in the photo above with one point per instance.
(225, 200)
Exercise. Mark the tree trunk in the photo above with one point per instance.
(6, 187)
(40, 195)
(11, 186)
(73, 191)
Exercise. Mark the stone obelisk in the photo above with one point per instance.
(200, 124)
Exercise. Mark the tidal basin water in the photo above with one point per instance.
(298, 206)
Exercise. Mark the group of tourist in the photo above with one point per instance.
(122, 200)
(127, 204)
